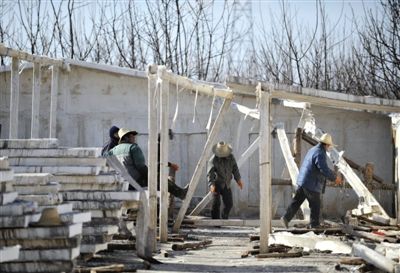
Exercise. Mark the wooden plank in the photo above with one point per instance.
(35, 100)
(22, 55)
(195, 245)
(164, 112)
(373, 257)
(114, 163)
(53, 101)
(202, 162)
(397, 169)
(291, 165)
(152, 149)
(265, 171)
(14, 99)
(242, 159)
(297, 146)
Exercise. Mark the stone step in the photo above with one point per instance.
(43, 243)
(100, 195)
(42, 143)
(94, 248)
(61, 208)
(82, 179)
(33, 233)
(75, 217)
(52, 187)
(115, 186)
(97, 205)
(60, 152)
(4, 164)
(49, 199)
(61, 170)
(6, 186)
(18, 221)
(6, 175)
(106, 213)
(18, 208)
(57, 161)
(10, 253)
(37, 267)
(96, 239)
(33, 178)
(8, 197)
(42, 255)
(106, 229)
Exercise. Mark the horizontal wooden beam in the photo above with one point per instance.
(25, 56)
(316, 96)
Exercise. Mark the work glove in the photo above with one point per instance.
(339, 180)
(240, 184)
(212, 188)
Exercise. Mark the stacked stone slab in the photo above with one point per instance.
(27, 246)
(84, 180)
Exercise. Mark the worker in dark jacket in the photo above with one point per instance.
(222, 166)
(131, 156)
(112, 142)
(310, 181)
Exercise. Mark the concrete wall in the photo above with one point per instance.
(91, 101)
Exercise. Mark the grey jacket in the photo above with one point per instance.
(220, 171)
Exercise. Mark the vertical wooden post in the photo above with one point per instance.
(265, 171)
(53, 102)
(35, 100)
(152, 151)
(202, 162)
(297, 147)
(397, 168)
(164, 115)
(14, 98)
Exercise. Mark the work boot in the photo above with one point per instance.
(184, 192)
(284, 222)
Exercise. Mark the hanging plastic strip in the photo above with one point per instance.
(176, 107)
(208, 126)
(195, 104)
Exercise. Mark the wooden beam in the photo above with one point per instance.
(291, 165)
(53, 101)
(397, 168)
(202, 162)
(297, 146)
(114, 163)
(164, 113)
(242, 159)
(206, 88)
(373, 257)
(265, 171)
(152, 149)
(14, 98)
(35, 100)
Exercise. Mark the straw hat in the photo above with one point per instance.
(123, 131)
(49, 217)
(222, 149)
(326, 139)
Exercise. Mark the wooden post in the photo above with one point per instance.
(164, 114)
(14, 98)
(297, 147)
(265, 171)
(53, 101)
(202, 162)
(397, 168)
(152, 150)
(35, 100)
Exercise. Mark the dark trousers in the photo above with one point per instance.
(226, 194)
(313, 199)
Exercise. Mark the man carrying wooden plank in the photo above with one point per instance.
(311, 179)
(222, 166)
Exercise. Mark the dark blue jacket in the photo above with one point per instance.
(314, 170)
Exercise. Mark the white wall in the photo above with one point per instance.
(91, 101)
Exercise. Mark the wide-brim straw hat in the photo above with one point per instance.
(222, 149)
(327, 139)
(49, 217)
(124, 131)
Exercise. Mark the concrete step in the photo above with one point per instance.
(105, 229)
(21, 221)
(4, 164)
(43, 143)
(8, 197)
(97, 205)
(93, 248)
(61, 170)
(33, 178)
(42, 255)
(43, 243)
(82, 179)
(96, 239)
(6, 175)
(57, 161)
(10, 253)
(32, 233)
(106, 213)
(49, 199)
(52, 187)
(6, 186)
(18, 208)
(115, 186)
(61, 208)
(60, 152)
(75, 217)
(37, 267)
(100, 195)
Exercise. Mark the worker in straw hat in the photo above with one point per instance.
(131, 156)
(310, 181)
(222, 166)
